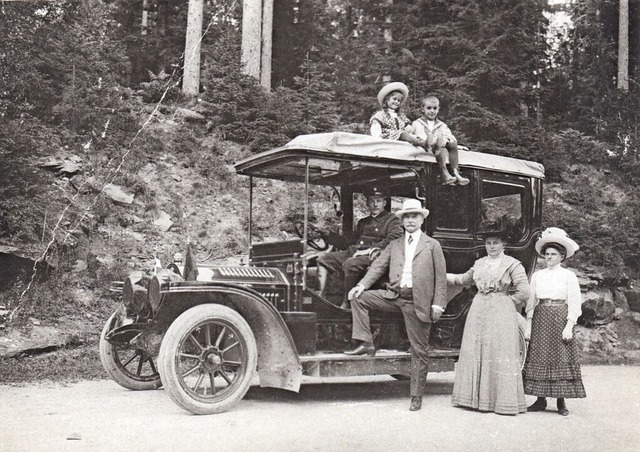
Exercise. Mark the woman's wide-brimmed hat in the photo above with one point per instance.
(391, 87)
(496, 228)
(559, 236)
(412, 206)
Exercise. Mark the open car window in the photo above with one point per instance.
(360, 209)
(454, 208)
(504, 202)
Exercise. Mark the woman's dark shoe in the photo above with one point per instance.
(416, 403)
(366, 348)
(562, 408)
(539, 405)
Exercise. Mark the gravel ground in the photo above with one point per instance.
(332, 414)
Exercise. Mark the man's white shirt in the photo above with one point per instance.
(409, 251)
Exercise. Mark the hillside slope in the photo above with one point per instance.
(178, 187)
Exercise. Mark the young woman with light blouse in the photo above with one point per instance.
(552, 368)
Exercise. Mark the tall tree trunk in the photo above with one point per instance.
(145, 17)
(191, 77)
(388, 37)
(623, 46)
(267, 40)
(257, 39)
(251, 37)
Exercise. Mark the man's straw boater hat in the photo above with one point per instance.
(391, 87)
(412, 206)
(559, 236)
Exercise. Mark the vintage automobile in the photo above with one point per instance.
(203, 331)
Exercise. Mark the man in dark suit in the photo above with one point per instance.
(417, 288)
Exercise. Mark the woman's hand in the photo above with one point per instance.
(567, 333)
(527, 330)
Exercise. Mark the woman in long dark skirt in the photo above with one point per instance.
(552, 368)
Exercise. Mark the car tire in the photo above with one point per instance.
(131, 368)
(522, 342)
(208, 359)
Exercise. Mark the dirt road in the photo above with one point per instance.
(364, 414)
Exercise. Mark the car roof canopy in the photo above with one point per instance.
(333, 156)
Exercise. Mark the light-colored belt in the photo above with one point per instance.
(551, 302)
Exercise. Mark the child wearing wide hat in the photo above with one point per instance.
(389, 122)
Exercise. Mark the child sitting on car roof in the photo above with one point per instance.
(439, 140)
(389, 122)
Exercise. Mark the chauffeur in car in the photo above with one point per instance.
(373, 233)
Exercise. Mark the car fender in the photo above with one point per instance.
(278, 362)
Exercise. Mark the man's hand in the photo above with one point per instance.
(436, 312)
(362, 252)
(355, 292)
(374, 253)
(431, 140)
(567, 333)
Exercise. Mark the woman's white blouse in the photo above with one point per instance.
(556, 283)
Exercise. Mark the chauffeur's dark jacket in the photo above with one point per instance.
(371, 232)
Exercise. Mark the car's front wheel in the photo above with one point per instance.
(208, 359)
(130, 367)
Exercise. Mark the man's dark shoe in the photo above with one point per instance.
(366, 348)
(416, 403)
(538, 405)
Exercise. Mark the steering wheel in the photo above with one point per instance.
(314, 238)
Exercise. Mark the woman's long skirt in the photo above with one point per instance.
(552, 368)
(488, 375)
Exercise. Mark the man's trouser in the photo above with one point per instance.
(417, 330)
(353, 268)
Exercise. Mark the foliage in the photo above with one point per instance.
(80, 78)
(581, 89)
(564, 147)
(242, 111)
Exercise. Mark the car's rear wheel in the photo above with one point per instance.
(208, 359)
(130, 367)
(522, 342)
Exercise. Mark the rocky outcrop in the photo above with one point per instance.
(597, 307)
(632, 298)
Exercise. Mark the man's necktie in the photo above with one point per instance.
(410, 240)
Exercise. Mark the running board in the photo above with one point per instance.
(385, 362)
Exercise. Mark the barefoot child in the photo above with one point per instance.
(439, 140)
(389, 122)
